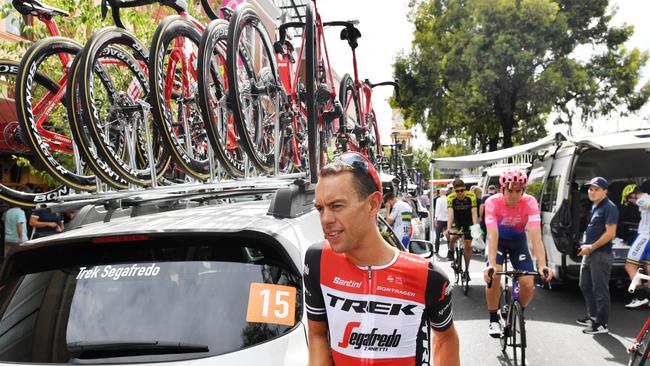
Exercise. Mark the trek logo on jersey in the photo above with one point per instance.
(372, 341)
(374, 307)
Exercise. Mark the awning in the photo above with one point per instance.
(472, 161)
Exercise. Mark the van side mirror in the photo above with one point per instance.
(423, 248)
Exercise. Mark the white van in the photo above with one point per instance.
(557, 178)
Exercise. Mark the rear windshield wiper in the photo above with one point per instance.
(131, 348)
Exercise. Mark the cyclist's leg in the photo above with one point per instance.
(636, 254)
(522, 260)
(452, 246)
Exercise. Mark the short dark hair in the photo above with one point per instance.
(364, 184)
(457, 183)
(389, 196)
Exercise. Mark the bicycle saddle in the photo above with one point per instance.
(351, 34)
(33, 7)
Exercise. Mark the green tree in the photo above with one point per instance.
(485, 71)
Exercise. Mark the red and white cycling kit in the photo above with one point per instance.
(512, 223)
(379, 315)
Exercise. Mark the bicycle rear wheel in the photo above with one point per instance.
(350, 103)
(255, 86)
(42, 112)
(517, 335)
(641, 353)
(213, 94)
(315, 155)
(372, 140)
(13, 148)
(123, 107)
(174, 87)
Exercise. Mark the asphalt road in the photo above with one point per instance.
(553, 336)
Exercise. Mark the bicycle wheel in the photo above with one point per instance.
(123, 107)
(255, 86)
(213, 92)
(42, 112)
(517, 335)
(311, 103)
(351, 120)
(12, 144)
(372, 141)
(641, 352)
(174, 87)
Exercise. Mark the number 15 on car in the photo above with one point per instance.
(274, 304)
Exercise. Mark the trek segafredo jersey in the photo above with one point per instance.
(377, 315)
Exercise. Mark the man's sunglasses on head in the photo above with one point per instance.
(358, 161)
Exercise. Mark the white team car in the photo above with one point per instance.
(192, 280)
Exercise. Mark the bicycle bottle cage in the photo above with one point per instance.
(177, 5)
(33, 7)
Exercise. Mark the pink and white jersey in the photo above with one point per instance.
(511, 221)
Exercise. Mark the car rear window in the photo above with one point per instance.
(150, 300)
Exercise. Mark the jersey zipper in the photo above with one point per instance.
(369, 318)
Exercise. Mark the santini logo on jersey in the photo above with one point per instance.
(372, 341)
(375, 307)
(347, 283)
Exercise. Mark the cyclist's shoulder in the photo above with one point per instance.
(471, 196)
(451, 198)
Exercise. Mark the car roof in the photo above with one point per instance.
(636, 139)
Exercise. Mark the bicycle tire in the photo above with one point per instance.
(55, 163)
(373, 145)
(184, 136)
(311, 106)
(209, 11)
(212, 94)
(8, 75)
(518, 335)
(465, 273)
(259, 143)
(81, 136)
(347, 87)
(102, 44)
(640, 355)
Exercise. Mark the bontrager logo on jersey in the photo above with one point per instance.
(374, 307)
(372, 341)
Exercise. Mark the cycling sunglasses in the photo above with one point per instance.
(459, 190)
(358, 161)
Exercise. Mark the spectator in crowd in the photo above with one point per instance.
(398, 215)
(441, 216)
(597, 258)
(639, 253)
(424, 200)
(15, 228)
(45, 223)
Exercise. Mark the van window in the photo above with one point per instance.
(549, 195)
(536, 182)
(162, 299)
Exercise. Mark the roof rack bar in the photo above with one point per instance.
(175, 192)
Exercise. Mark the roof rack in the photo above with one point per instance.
(110, 205)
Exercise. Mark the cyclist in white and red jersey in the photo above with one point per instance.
(368, 303)
(508, 216)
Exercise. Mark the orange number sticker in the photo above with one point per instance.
(273, 304)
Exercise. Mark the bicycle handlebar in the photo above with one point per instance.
(394, 84)
(116, 5)
(341, 23)
(637, 280)
(514, 274)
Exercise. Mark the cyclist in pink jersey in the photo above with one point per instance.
(509, 215)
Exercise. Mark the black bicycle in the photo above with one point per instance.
(511, 310)
(459, 265)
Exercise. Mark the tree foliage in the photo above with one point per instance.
(489, 71)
